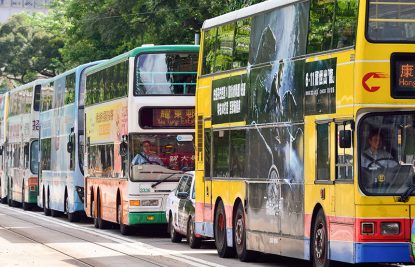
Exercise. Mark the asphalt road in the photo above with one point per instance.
(28, 238)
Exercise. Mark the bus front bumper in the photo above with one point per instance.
(146, 218)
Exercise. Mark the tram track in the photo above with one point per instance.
(182, 259)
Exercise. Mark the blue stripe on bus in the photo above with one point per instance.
(342, 251)
(382, 252)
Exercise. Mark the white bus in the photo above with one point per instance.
(139, 129)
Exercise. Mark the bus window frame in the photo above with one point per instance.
(329, 123)
(369, 113)
(162, 52)
(382, 41)
(352, 123)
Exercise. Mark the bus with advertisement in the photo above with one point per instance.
(22, 145)
(3, 160)
(305, 130)
(139, 133)
(61, 180)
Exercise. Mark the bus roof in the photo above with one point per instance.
(140, 50)
(27, 85)
(245, 12)
(74, 70)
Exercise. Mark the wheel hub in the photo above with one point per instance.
(239, 230)
(319, 243)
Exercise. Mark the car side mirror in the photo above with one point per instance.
(26, 149)
(183, 195)
(1, 151)
(345, 139)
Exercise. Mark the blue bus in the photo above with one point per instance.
(61, 177)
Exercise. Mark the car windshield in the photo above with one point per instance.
(160, 153)
(391, 21)
(387, 148)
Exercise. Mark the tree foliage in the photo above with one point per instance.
(79, 31)
(29, 48)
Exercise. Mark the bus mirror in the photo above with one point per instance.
(69, 147)
(345, 139)
(1, 151)
(123, 149)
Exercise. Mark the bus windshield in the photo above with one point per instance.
(387, 149)
(165, 74)
(161, 153)
(391, 21)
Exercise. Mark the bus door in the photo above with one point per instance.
(207, 183)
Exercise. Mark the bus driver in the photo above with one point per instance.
(147, 156)
(375, 157)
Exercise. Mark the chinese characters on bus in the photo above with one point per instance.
(403, 77)
(173, 117)
(229, 99)
(320, 87)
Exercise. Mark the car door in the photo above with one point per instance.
(190, 202)
(182, 205)
(176, 203)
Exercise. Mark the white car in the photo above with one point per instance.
(180, 211)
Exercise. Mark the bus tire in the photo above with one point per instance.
(46, 211)
(220, 233)
(175, 237)
(319, 241)
(55, 213)
(239, 233)
(4, 200)
(102, 224)
(74, 217)
(25, 205)
(93, 214)
(194, 242)
(124, 229)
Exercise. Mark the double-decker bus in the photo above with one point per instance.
(305, 130)
(3, 159)
(139, 133)
(61, 180)
(22, 144)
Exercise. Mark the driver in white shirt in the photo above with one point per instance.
(375, 157)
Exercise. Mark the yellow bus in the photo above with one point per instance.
(305, 130)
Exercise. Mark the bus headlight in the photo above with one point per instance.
(149, 202)
(390, 228)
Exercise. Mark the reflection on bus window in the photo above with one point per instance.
(391, 20)
(34, 157)
(162, 150)
(387, 148)
(166, 74)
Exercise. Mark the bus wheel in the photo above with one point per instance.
(93, 214)
(55, 213)
(175, 237)
(319, 242)
(194, 242)
(4, 200)
(220, 233)
(46, 210)
(239, 229)
(124, 229)
(25, 205)
(102, 224)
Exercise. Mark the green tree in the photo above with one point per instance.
(29, 48)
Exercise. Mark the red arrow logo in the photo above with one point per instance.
(374, 75)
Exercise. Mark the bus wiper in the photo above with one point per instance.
(159, 182)
(405, 196)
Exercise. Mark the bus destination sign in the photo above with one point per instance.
(167, 117)
(229, 99)
(403, 75)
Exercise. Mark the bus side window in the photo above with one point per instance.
(344, 150)
(323, 152)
